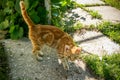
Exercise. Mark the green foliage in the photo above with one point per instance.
(16, 32)
(91, 5)
(95, 14)
(4, 25)
(111, 30)
(95, 64)
(12, 21)
(59, 7)
(107, 68)
(78, 26)
(114, 3)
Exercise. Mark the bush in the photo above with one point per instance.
(111, 30)
(12, 21)
(59, 7)
(107, 68)
(114, 3)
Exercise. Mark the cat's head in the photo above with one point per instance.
(73, 52)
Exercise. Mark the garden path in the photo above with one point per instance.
(93, 41)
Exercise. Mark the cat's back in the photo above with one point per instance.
(49, 27)
(56, 31)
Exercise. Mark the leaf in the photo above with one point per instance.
(4, 24)
(55, 14)
(10, 4)
(2, 15)
(27, 3)
(55, 6)
(17, 6)
(14, 35)
(16, 32)
(34, 16)
(3, 3)
(21, 31)
(64, 3)
(8, 10)
(34, 4)
(11, 29)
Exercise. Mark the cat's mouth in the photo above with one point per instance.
(76, 50)
(73, 57)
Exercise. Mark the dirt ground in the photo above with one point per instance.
(24, 67)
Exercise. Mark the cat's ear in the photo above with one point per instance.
(67, 47)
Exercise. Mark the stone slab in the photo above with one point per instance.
(96, 43)
(108, 13)
(90, 2)
(79, 15)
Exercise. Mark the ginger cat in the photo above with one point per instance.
(51, 36)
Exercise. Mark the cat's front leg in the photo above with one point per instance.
(64, 62)
(39, 55)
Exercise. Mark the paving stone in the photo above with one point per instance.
(90, 2)
(108, 13)
(96, 43)
(79, 15)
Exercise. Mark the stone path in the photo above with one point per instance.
(93, 41)
(108, 13)
(90, 2)
(96, 43)
(79, 15)
(24, 67)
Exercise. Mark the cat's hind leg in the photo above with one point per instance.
(37, 50)
(48, 38)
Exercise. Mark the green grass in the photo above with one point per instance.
(111, 30)
(107, 68)
(4, 69)
(114, 3)
(94, 14)
(91, 5)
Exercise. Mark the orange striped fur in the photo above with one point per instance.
(51, 36)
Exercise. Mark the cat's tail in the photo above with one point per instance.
(27, 19)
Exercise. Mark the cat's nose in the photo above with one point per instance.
(78, 50)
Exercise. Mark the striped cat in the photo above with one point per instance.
(52, 36)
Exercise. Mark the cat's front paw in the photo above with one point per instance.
(39, 58)
(65, 64)
(38, 55)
